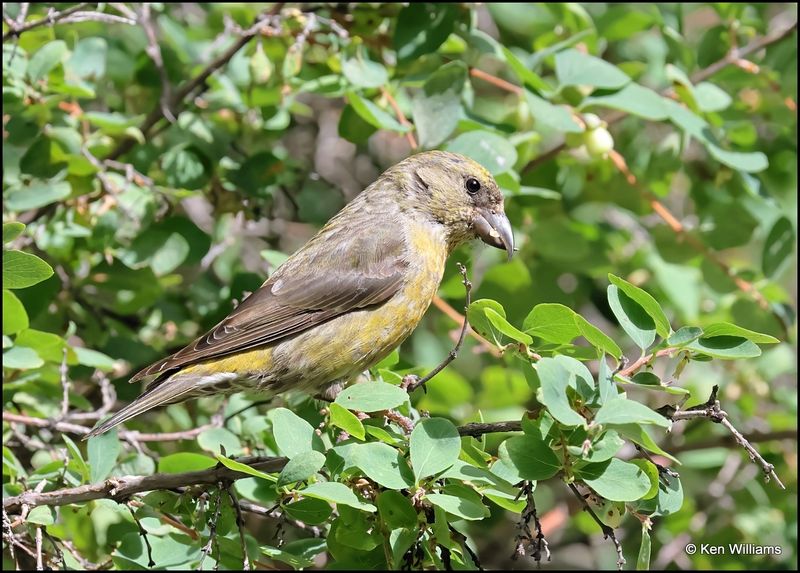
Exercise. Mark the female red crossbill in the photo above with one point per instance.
(348, 297)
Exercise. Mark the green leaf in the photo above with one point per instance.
(778, 247)
(12, 230)
(603, 448)
(374, 115)
(384, 465)
(710, 98)
(632, 317)
(638, 435)
(458, 506)
(301, 467)
(102, 452)
(684, 336)
(574, 68)
(725, 347)
(421, 28)
(14, 316)
(553, 117)
(21, 357)
(214, 439)
(633, 99)
(45, 59)
(396, 510)
(552, 322)
(363, 72)
(651, 470)
(476, 315)
(298, 554)
(530, 456)
(505, 327)
(346, 420)
(643, 559)
(93, 358)
(41, 515)
(624, 411)
(76, 458)
(244, 468)
(293, 434)
(88, 61)
(353, 127)
(37, 194)
(21, 270)
(668, 500)
(435, 445)
(309, 510)
(48, 346)
(372, 396)
(615, 480)
(597, 337)
(555, 379)
(185, 462)
(605, 382)
(337, 493)
(436, 109)
(526, 76)
(728, 329)
(494, 152)
(647, 302)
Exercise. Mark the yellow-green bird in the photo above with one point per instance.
(348, 297)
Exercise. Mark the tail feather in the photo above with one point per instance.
(174, 389)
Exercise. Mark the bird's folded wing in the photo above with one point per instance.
(293, 300)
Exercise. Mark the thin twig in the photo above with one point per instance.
(414, 384)
(608, 532)
(129, 435)
(51, 18)
(477, 429)
(64, 386)
(240, 523)
(39, 560)
(212, 532)
(525, 537)
(713, 411)
(401, 117)
(121, 488)
(154, 51)
(143, 535)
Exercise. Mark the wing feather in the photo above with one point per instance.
(297, 297)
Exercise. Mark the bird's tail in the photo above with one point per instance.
(173, 389)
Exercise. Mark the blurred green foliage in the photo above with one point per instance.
(159, 161)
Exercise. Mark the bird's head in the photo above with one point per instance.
(460, 194)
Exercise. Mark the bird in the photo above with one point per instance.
(347, 298)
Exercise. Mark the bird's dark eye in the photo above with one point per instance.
(473, 185)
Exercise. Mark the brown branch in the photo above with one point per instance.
(712, 410)
(190, 86)
(477, 429)
(721, 441)
(121, 488)
(129, 435)
(495, 81)
(51, 18)
(401, 118)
